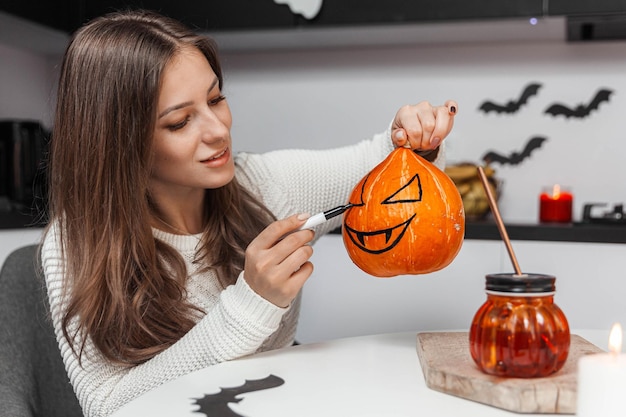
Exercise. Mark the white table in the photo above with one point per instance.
(377, 375)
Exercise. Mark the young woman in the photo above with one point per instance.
(165, 252)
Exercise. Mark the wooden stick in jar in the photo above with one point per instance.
(499, 222)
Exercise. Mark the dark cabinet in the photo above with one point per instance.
(226, 15)
(366, 12)
(67, 15)
(63, 15)
(585, 7)
(599, 20)
(213, 15)
(265, 14)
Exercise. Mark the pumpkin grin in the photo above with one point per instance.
(378, 241)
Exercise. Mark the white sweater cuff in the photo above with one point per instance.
(252, 307)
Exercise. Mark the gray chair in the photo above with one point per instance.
(33, 381)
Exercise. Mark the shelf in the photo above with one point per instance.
(478, 230)
(573, 232)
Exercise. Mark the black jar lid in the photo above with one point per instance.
(525, 283)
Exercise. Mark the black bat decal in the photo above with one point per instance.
(217, 404)
(513, 105)
(515, 157)
(581, 111)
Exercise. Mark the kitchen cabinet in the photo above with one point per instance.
(63, 15)
(213, 15)
(366, 12)
(230, 15)
(67, 15)
(585, 7)
(601, 20)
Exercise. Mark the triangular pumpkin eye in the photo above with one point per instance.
(360, 202)
(409, 193)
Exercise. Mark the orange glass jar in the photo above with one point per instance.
(519, 331)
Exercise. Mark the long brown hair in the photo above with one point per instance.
(126, 289)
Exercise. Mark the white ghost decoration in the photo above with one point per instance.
(307, 8)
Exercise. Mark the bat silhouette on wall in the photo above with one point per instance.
(582, 110)
(515, 157)
(217, 404)
(513, 105)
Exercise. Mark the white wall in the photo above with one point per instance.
(339, 300)
(325, 98)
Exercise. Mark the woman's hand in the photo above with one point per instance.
(421, 126)
(277, 260)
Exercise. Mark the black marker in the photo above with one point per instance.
(320, 218)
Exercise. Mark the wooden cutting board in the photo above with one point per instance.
(449, 368)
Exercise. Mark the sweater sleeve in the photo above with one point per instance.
(312, 181)
(236, 326)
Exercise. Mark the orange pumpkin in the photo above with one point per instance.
(407, 218)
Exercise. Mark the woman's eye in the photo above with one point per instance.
(217, 100)
(179, 125)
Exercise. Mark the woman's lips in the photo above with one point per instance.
(217, 159)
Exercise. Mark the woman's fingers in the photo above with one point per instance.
(277, 261)
(422, 126)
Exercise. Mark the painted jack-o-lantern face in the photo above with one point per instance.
(407, 218)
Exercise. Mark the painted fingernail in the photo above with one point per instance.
(399, 134)
(434, 142)
(452, 109)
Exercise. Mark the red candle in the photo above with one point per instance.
(555, 206)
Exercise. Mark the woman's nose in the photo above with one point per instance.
(214, 128)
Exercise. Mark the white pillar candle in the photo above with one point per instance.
(602, 381)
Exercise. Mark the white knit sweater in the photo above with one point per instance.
(238, 322)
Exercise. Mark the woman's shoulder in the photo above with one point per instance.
(252, 170)
(50, 242)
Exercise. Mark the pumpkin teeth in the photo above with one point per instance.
(360, 236)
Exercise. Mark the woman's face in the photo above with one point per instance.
(192, 144)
